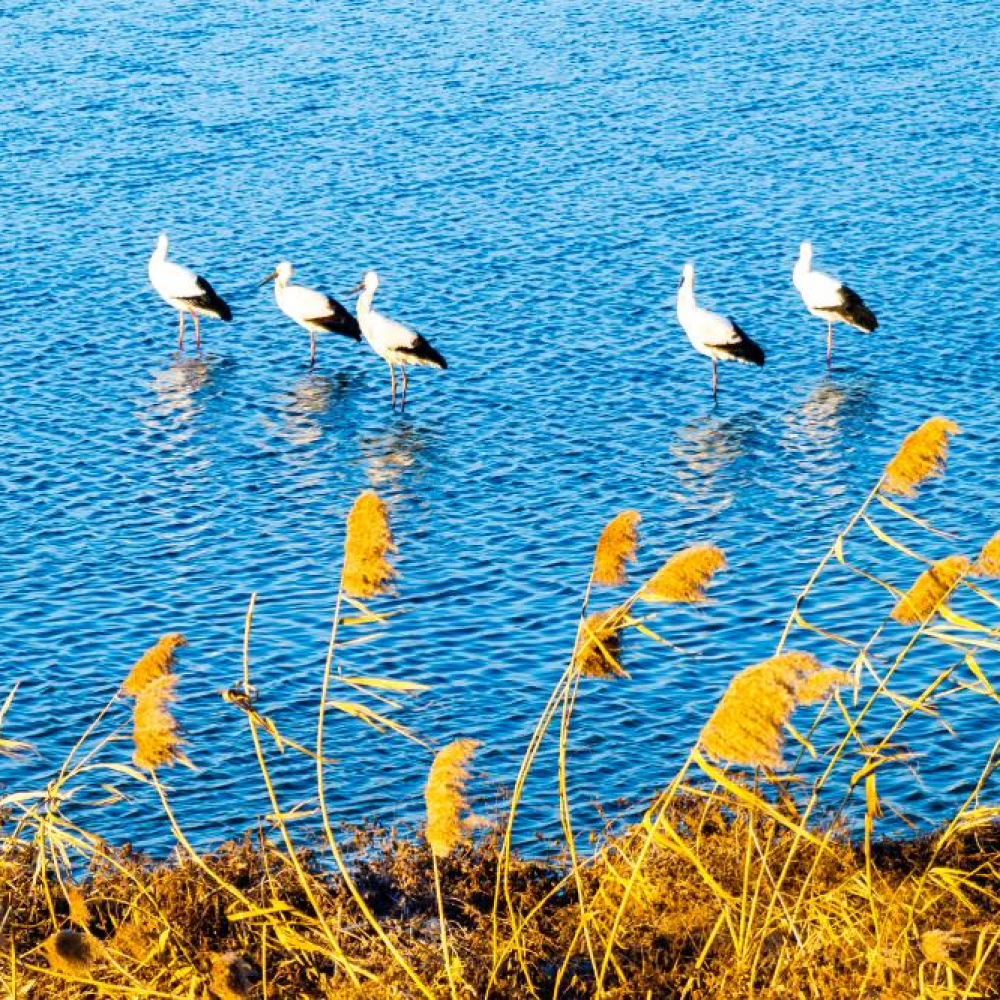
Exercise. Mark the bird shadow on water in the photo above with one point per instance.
(839, 407)
(395, 453)
(177, 394)
(704, 452)
(303, 411)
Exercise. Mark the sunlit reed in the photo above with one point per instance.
(923, 454)
(616, 548)
(685, 576)
(930, 590)
(598, 653)
(157, 661)
(155, 731)
(447, 826)
(367, 570)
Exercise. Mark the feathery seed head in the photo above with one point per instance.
(930, 590)
(598, 652)
(367, 572)
(154, 730)
(157, 661)
(684, 577)
(921, 455)
(70, 952)
(615, 548)
(446, 826)
(988, 563)
(748, 722)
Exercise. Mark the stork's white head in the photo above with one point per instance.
(687, 276)
(162, 243)
(806, 252)
(369, 281)
(280, 275)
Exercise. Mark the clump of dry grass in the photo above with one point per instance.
(930, 590)
(921, 455)
(747, 726)
(936, 945)
(616, 548)
(232, 976)
(988, 563)
(157, 661)
(367, 571)
(684, 577)
(70, 952)
(447, 826)
(155, 730)
(598, 652)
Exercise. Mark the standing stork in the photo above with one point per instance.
(317, 312)
(391, 341)
(185, 291)
(713, 335)
(828, 299)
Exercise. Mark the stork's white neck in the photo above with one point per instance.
(160, 253)
(365, 299)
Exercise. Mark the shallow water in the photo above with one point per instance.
(529, 180)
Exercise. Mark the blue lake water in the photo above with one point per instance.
(528, 179)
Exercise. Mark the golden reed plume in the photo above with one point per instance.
(930, 590)
(79, 912)
(598, 652)
(367, 572)
(988, 563)
(156, 662)
(685, 575)
(747, 726)
(936, 945)
(154, 730)
(615, 548)
(923, 454)
(70, 953)
(446, 826)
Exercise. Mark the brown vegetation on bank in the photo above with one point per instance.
(757, 872)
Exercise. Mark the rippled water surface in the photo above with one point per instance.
(528, 179)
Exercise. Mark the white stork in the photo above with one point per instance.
(185, 291)
(391, 341)
(828, 299)
(713, 335)
(317, 312)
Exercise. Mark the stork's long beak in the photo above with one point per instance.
(270, 277)
(357, 288)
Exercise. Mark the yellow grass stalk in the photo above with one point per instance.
(930, 590)
(598, 652)
(988, 563)
(155, 732)
(615, 548)
(747, 726)
(155, 662)
(684, 577)
(70, 952)
(367, 572)
(79, 912)
(446, 825)
(923, 454)
(231, 976)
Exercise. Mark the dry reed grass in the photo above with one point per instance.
(231, 976)
(367, 571)
(616, 548)
(71, 952)
(156, 662)
(988, 562)
(154, 729)
(685, 576)
(447, 826)
(747, 726)
(599, 649)
(923, 454)
(930, 590)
